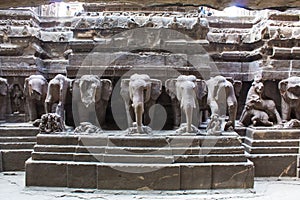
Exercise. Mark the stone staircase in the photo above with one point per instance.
(157, 162)
(274, 152)
(16, 144)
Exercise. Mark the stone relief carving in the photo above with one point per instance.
(186, 93)
(17, 98)
(87, 128)
(50, 123)
(59, 89)
(35, 91)
(259, 111)
(290, 98)
(90, 99)
(139, 93)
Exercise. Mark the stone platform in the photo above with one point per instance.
(274, 152)
(16, 144)
(161, 161)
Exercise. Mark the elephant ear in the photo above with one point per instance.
(201, 88)
(125, 90)
(237, 87)
(156, 86)
(170, 85)
(283, 86)
(106, 89)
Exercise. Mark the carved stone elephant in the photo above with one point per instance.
(290, 98)
(58, 98)
(186, 92)
(90, 99)
(35, 91)
(4, 98)
(254, 101)
(139, 93)
(221, 96)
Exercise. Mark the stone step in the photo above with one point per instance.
(130, 176)
(17, 145)
(14, 159)
(140, 150)
(271, 150)
(274, 165)
(139, 141)
(141, 158)
(18, 139)
(18, 131)
(210, 158)
(273, 134)
(272, 143)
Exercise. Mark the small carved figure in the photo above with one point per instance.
(290, 98)
(139, 94)
(17, 98)
(51, 123)
(214, 126)
(87, 128)
(35, 91)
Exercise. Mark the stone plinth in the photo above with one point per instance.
(16, 144)
(159, 162)
(274, 152)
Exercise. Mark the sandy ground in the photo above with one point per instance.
(12, 188)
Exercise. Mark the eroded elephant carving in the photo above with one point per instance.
(35, 91)
(4, 98)
(186, 92)
(139, 93)
(90, 98)
(290, 98)
(58, 98)
(259, 111)
(221, 96)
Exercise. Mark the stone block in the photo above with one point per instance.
(52, 148)
(46, 174)
(57, 139)
(82, 176)
(14, 160)
(139, 177)
(52, 156)
(225, 176)
(88, 157)
(271, 134)
(279, 165)
(137, 142)
(195, 177)
(162, 159)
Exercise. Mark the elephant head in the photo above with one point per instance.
(290, 88)
(35, 91)
(90, 90)
(290, 97)
(35, 87)
(139, 93)
(187, 90)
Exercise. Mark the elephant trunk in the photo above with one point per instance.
(189, 116)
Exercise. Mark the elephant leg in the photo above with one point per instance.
(232, 110)
(214, 108)
(177, 113)
(189, 116)
(32, 110)
(139, 110)
(128, 108)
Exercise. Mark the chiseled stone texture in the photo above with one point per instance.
(253, 4)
